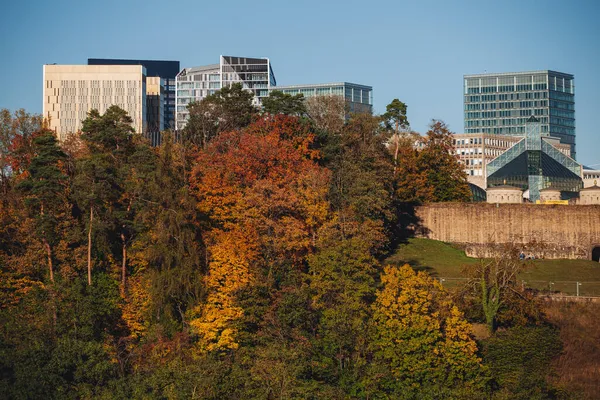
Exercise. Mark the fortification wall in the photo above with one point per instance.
(548, 231)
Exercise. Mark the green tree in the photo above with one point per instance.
(283, 103)
(520, 361)
(226, 110)
(99, 181)
(495, 283)
(342, 283)
(445, 176)
(45, 191)
(395, 118)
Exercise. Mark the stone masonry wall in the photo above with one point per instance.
(548, 231)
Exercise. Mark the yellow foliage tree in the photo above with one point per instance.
(232, 255)
(420, 340)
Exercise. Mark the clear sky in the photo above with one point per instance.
(417, 51)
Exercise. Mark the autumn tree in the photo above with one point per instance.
(262, 180)
(282, 103)
(421, 343)
(446, 178)
(17, 131)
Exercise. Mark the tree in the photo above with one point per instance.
(45, 191)
(283, 103)
(421, 343)
(495, 283)
(445, 176)
(227, 109)
(342, 283)
(395, 118)
(98, 184)
(328, 113)
(16, 134)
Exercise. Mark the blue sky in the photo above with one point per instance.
(416, 51)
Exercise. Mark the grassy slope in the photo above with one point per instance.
(444, 261)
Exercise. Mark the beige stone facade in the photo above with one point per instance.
(549, 195)
(71, 91)
(590, 195)
(504, 195)
(590, 177)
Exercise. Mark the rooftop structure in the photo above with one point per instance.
(359, 98)
(194, 84)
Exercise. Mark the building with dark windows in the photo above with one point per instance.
(533, 165)
(502, 103)
(194, 84)
(167, 71)
(358, 98)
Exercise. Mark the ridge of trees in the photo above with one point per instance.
(244, 261)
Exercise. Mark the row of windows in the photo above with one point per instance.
(505, 97)
(502, 122)
(507, 88)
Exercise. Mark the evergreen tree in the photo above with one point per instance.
(283, 103)
(45, 191)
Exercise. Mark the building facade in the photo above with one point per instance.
(155, 104)
(358, 98)
(167, 70)
(502, 103)
(194, 84)
(476, 150)
(534, 164)
(71, 91)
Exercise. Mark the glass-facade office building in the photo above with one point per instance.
(194, 84)
(502, 103)
(534, 164)
(359, 98)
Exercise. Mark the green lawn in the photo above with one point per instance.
(444, 262)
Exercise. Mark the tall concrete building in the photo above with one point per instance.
(501, 104)
(358, 98)
(71, 91)
(194, 84)
(167, 70)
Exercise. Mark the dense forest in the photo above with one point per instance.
(245, 260)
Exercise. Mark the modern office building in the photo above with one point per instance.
(534, 164)
(502, 103)
(358, 98)
(194, 84)
(476, 150)
(167, 70)
(71, 91)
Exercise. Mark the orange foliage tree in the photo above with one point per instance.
(265, 198)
